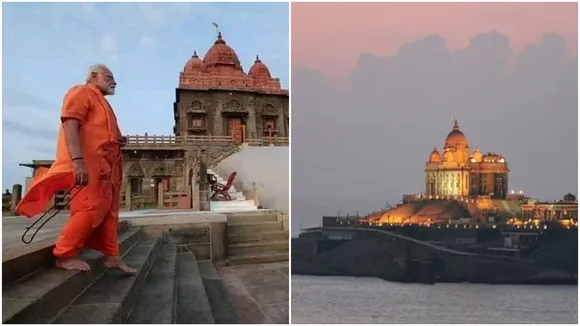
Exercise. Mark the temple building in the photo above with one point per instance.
(216, 97)
(218, 107)
(565, 209)
(455, 172)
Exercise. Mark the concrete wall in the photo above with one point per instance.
(265, 168)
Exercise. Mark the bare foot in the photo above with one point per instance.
(73, 264)
(118, 263)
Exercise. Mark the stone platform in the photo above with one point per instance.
(14, 226)
(184, 274)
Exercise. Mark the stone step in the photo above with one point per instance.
(250, 248)
(222, 307)
(254, 217)
(233, 203)
(155, 302)
(234, 209)
(262, 227)
(258, 237)
(192, 302)
(110, 299)
(266, 257)
(38, 298)
(24, 260)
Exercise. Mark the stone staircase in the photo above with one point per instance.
(239, 203)
(256, 238)
(171, 286)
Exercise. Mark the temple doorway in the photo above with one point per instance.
(135, 185)
(236, 128)
(159, 184)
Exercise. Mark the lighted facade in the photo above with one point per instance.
(457, 172)
(565, 209)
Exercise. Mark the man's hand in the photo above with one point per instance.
(122, 141)
(80, 173)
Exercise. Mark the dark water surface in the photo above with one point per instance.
(344, 300)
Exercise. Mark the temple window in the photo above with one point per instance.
(269, 126)
(196, 121)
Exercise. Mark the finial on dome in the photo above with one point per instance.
(435, 149)
(257, 59)
(220, 39)
(194, 54)
(455, 125)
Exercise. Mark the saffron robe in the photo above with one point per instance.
(95, 207)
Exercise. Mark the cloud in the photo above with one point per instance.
(18, 99)
(369, 141)
(43, 150)
(109, 47)
(154, 15)
(28, 129)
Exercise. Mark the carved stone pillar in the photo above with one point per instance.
(251, 128)
(148, 191)
(160, 195)
(218, 122)
(281, 124)
(16, 196)
(128, 196)
(203, 185)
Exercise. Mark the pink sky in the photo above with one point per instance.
(329, 37)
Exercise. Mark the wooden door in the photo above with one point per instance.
(235, 129)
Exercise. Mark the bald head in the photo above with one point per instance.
(101, 76)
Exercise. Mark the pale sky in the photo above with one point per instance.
(374, 88)
(330, 37)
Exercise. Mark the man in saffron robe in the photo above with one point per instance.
(88, 158)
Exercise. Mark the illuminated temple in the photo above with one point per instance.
(457, 172)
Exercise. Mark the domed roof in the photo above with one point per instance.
(447, 156)
(435, 157)
(194, 64)
(476, 155)
(570, 197)
(493, 158)
(455, 137)
(259, 69)
(221, 55)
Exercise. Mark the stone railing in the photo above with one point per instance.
(134, 141)
(265, 141)
(215, 160)
(143, 141)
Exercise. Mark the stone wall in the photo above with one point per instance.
(213, 104)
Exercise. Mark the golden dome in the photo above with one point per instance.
(447, 156)
(493, 158)
(476, 156)
(455, 138)
(435, 157)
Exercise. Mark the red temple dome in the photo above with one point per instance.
(194, 64)
(221, 57)
(259, 69)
